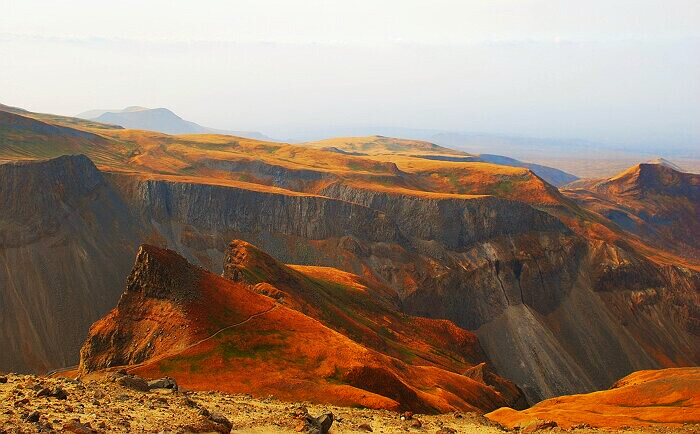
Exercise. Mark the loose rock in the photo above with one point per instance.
(163, 383)
(133, 382)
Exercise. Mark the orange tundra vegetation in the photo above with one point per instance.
(325, 340)
(668, 397)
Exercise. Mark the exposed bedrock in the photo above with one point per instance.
(554, 312)
(66, 239)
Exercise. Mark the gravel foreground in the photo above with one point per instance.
(118, 403)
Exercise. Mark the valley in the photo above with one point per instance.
(384, 273)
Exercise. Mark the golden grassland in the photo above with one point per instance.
(386, 165)
(667, 397)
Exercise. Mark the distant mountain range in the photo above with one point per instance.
(161, 120)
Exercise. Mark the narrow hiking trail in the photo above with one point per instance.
(129, 368)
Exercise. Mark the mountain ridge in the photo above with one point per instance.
(162, 120)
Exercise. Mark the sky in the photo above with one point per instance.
(619, 72)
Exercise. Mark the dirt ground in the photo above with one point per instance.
(39, 404)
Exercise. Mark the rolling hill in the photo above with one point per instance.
(663, 398)
(380, 145)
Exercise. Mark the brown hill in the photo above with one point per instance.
(667, 397)
(653, 201)
(213, 334)
(562, 299)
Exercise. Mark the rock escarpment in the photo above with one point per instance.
(554, 312)
(65, 242)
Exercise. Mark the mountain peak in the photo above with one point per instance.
(657, 176)
(243, 262)
(134, 108)
(162, 274)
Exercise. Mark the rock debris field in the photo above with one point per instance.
(118, 402)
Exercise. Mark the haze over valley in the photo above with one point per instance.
(326, 217)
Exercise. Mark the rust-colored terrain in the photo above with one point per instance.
(415, 255)
(654, 201)
(210, 333)
(667, 397)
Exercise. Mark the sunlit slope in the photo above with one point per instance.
(210, 333)
(380, 145)
(667, 397)
(375, 145)
(27, 138)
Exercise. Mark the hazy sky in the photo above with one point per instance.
(616, 71)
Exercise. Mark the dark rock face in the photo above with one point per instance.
(554, 312)
(455, 223)
(66, 243)
(162, 274)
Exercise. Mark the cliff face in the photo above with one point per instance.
(545, 303)
(554, 312)
(65, 240)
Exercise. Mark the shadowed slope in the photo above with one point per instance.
(65, 242)
(654, 201)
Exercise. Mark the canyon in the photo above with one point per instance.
(559, 291)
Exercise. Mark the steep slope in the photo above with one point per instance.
(65, 240)
(368, 313)
(162, 120)
(563, 301)
(64, 121)
(667, 397)
(211, 333)
(654, 201)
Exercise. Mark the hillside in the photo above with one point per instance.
(654, 201)
(200, 329)
(663, 398)
(26, 138)
(380, 145)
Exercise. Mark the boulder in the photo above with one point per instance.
(133, 382)
(163, 383)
